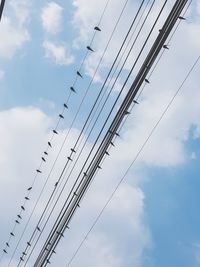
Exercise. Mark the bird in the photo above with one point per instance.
(38, 228)
(56, 184)
(165, 46)
(53, 251)
(117, 134)
(72, 149)
(67, 226)
(11, 233)
(7, 244)
(17, 221)
(5, 251)
(78, 205)
(29, 244)
(38, 172)
(147, 81)
(31, 186)
(78, 73)
(85, 174)
(55, 131)
(90, 49)
(48, 261)
(65, 106)
(49, 144)
(61, 116)
(24, 253)
(107, 153)
(27, 198)
(72, 89)
(97, 28)
(127, 112)
(112, 144)
(69, 158)
(99, 167)
(22, 207)
(45, 153)
(180, 17)
(21, 259)
(134, 101)
(19, 216)
(43, 159)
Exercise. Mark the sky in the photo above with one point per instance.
(153, 218)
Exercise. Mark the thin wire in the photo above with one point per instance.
(146, 40)
(54, 245)
(134, 160)
(118, 19)
(105, 49)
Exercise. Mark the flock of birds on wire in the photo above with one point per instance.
(50, 145)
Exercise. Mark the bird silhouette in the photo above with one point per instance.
(78, 73)
(97, 28)
(90, 49)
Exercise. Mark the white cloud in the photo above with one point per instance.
(13, 31)
(52, 18)
(13, 38)
(58, 53)
(21, 9)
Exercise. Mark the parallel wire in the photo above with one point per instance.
(124, 7)
(134, 160)
(88, 135)
(78, 200)
(137, 59)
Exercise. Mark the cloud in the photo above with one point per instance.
(13, 31)
(21, 9)
(59, 54)
(13, 39)
(52, 18)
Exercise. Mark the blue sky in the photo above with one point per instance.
(153, 220)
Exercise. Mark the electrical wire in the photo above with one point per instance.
(150, 33)
(126, 2)
(86, 139)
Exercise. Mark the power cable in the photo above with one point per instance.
(126, 2)
(79, 153)
(143, 47)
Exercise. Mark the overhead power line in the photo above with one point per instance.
(74, 119)
(72, 168)
(101, 88)
(68, 212)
